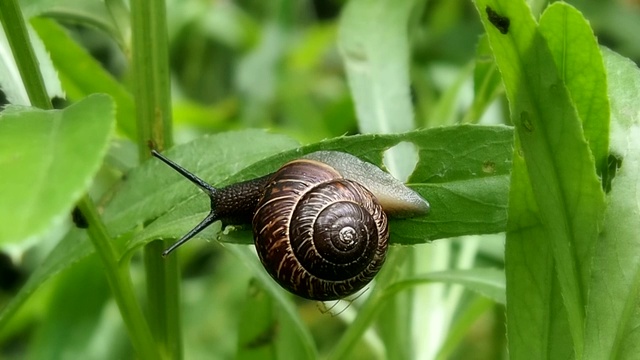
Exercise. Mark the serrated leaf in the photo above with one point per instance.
(48, 160)
(467, 185)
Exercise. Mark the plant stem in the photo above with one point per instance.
(150, 56)
(153, 106)
(120, 282)
(118, 278)
(16, 32)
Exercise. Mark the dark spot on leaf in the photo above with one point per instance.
(500, 22)
(614, 162)
(489, 167)
(79, 219)
(525, 120)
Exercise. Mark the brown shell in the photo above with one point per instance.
(319, 235)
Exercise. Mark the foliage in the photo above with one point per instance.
(511, 118)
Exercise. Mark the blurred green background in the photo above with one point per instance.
(257, 64)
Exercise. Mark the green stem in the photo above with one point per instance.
(120, 282)
(150, 56)
(163, 279)
(118, 278)
(16, 32)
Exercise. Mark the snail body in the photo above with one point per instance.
(319, 222)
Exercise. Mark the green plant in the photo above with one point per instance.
(564, 191)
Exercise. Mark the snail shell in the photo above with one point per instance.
(319, 235)
(319, 223)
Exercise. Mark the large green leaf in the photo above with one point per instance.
(612, 311)
(564, 187)
(463, 171)
(48, 160)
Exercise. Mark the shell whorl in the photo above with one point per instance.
(319, 235)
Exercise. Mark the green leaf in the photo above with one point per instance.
(82, 75)
(445, 111)
(541, 331)
(153, 188)
(70, 328)
(374, 45)
(258, 327)
(11, 81)
(467, 316)
(612, 312)
(467, 186)
(579, 62)
(487, 83)
(74, 247)
(486, 282)
(93, 13)
(48, 160)
(558, 161)
(295, 340)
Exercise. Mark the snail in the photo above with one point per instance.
(319, 222)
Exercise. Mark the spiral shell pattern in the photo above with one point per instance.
(318, 235)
